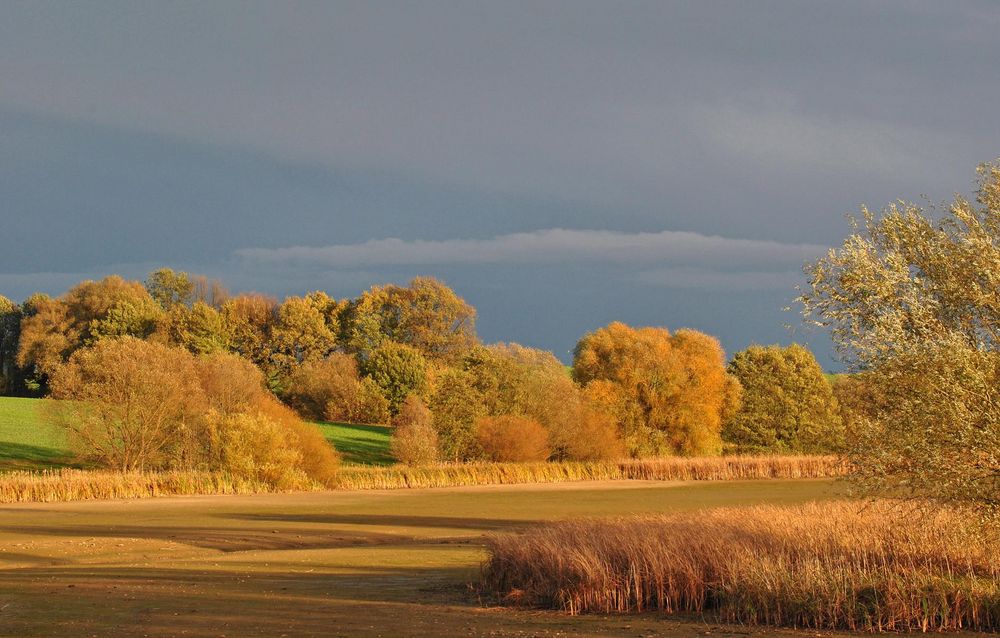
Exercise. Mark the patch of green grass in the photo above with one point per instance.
(359, 444)
(27, 441)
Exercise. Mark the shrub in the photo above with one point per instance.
(512, 438)
(319, 460)
(254, 446)
(331, 389)
(129, 404)
(231, 383)
(787, 403)
(414, 439)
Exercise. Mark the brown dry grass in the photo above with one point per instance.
(77, 485)
(71, 485)
(728, 468)
(840, 565)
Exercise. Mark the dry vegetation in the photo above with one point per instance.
(77, 485)
(69, 485)
(671, 469)
(841, 565)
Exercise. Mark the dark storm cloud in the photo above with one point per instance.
(186, 133)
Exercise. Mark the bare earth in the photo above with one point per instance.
(393, 563)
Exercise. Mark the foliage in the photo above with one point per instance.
(249, 320)
(90, 310)
(300, 334)
(256, 447)
(914, 301)
(456, 404)
(668, 392)
(414, 439)
(12, 375)
(512, 438)
(129, 404)
(399, 370)
(787, 403)
(426, 315)
(332, 389)
(200, 328)
(169, 288)
(136, 405)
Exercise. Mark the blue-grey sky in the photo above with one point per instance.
(561, 164)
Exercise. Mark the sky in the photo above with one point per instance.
(560, 164)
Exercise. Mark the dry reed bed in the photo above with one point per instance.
(670, 469)
(839, 565)
(78, 485)
(72, 485)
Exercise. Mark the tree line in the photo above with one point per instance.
(410, 356)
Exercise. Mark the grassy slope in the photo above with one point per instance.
(27, 441)
(359, 444)
(316, 564)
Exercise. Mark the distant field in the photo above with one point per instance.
(28, 442)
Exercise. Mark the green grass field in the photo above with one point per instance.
(359, 444)
(392, 563)
(29, 442)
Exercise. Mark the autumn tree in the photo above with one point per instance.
(672, 389)
(456, 404)
(426, 315)
(129, 404)
(332, 389)
(787, 403)
(300, 333)
(912, 299)
(249, 321)
(91, 310)
(414, 440)
(398, 369)
(511, 438)
(200, 328)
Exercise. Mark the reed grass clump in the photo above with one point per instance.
(77, 485)
(839, 565)
(667, 469)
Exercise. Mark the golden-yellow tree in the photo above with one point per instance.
(670, 392)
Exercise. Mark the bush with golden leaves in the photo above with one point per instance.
(414, 440)
(332, 389)
(512, 438)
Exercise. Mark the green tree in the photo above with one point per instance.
(787, 403)
(913, 300)
(456, 404)
(11, 374)
(426, 315)
(169, 288)
(399, 370)
(200, 328)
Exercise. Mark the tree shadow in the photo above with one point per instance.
(21, 456)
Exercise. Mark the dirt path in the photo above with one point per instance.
(394, 563)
